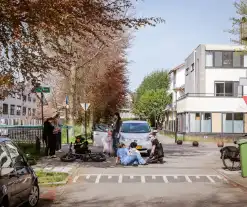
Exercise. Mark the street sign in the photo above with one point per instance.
(243, 81)
(85, 106)
(42, 89)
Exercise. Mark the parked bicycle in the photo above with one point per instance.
(230, 156)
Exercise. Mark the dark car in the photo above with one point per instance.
(18, 182)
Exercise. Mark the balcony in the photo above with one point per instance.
(192, 102)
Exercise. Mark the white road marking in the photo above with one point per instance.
(97, 179)
(197, 177)
(153, 177)
(165, 179)
(219, 177)
(131, 177)
(109, 177)
(120, 179)
(88, 176)
(188, 179)
(175, 177)
(143, 179)
(75, 179)
(210, 179)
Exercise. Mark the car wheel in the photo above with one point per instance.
(33, 198)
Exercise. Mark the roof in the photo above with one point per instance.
(134, 121)
(176, 68)
(4, 139)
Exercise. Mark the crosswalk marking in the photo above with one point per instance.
(211, 180)
(147, 178)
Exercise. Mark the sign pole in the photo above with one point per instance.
(42, 107)
(67, 130)
(85, 120)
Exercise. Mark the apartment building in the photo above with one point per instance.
(177, 84)
(19, 109)
(213, 102)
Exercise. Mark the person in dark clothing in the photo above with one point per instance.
(115, 133)
(46, 132)
(58, 133)
(157, 152)
(49, 137)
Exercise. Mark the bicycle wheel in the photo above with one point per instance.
(97, 157)
(68, 158)
(229, 163)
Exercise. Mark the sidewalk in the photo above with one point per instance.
(235, 178)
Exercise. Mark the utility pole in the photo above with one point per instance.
(42, 108)
(85, 105)
(66, 117)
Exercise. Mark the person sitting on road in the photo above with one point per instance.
(157, 152)
(133, 150)
(124, 158)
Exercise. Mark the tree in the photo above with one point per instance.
(35, 35)
(151, 96)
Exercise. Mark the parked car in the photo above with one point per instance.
(99, 131)
(18, 181)
(139, 132)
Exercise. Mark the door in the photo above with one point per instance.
(8, 178)
(100, 131)
(23, 173)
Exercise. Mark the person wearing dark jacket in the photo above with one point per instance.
(49, 137)
(115, 133)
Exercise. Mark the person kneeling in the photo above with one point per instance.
(125, 158)
(157, 152)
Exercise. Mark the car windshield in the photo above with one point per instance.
(135, 128)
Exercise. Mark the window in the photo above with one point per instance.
(5, 159)
(237, 60)
(34, 112)
(24, 97)
(29, 112)
(12, 109)
(209, 59)
(195, 122)
(228, 88)
(206, 122)
(227, 123)
(24, 111)
(18, 96)
(135, 128)
(5, 109)
(218, 59)
(187, 71)
(18, 110)
(192, 67)
(29, 97)
(238, 123)
(16, 156)
(227, 59)
(15, 122)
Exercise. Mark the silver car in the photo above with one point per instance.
(139, 132)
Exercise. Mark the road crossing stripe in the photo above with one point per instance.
(75, 179)
(211, 180)
(165, 179)
(97, 179)
(143, 179)
(120, 179)
(188, 179)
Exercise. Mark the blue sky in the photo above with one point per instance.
(188, 24)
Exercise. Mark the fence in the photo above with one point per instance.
(23, 134)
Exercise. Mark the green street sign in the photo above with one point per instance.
(42, 89)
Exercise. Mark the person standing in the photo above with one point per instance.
(115, 133)
(58, 133)
(45, 134)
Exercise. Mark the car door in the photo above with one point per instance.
(8, 178)
(23, 173)
(100, 131)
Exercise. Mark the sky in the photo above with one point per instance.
(188, 24)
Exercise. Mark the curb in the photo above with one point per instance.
(232, 182)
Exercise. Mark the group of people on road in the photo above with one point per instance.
(132, 156)
(52, 135)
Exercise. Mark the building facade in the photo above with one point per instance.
(177, 84)
(213, 101)
(19, 109)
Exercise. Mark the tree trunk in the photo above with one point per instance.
(72, 96)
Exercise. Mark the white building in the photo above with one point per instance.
(126, 112)
(213, 102)
(177, 83)
(19, 109)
